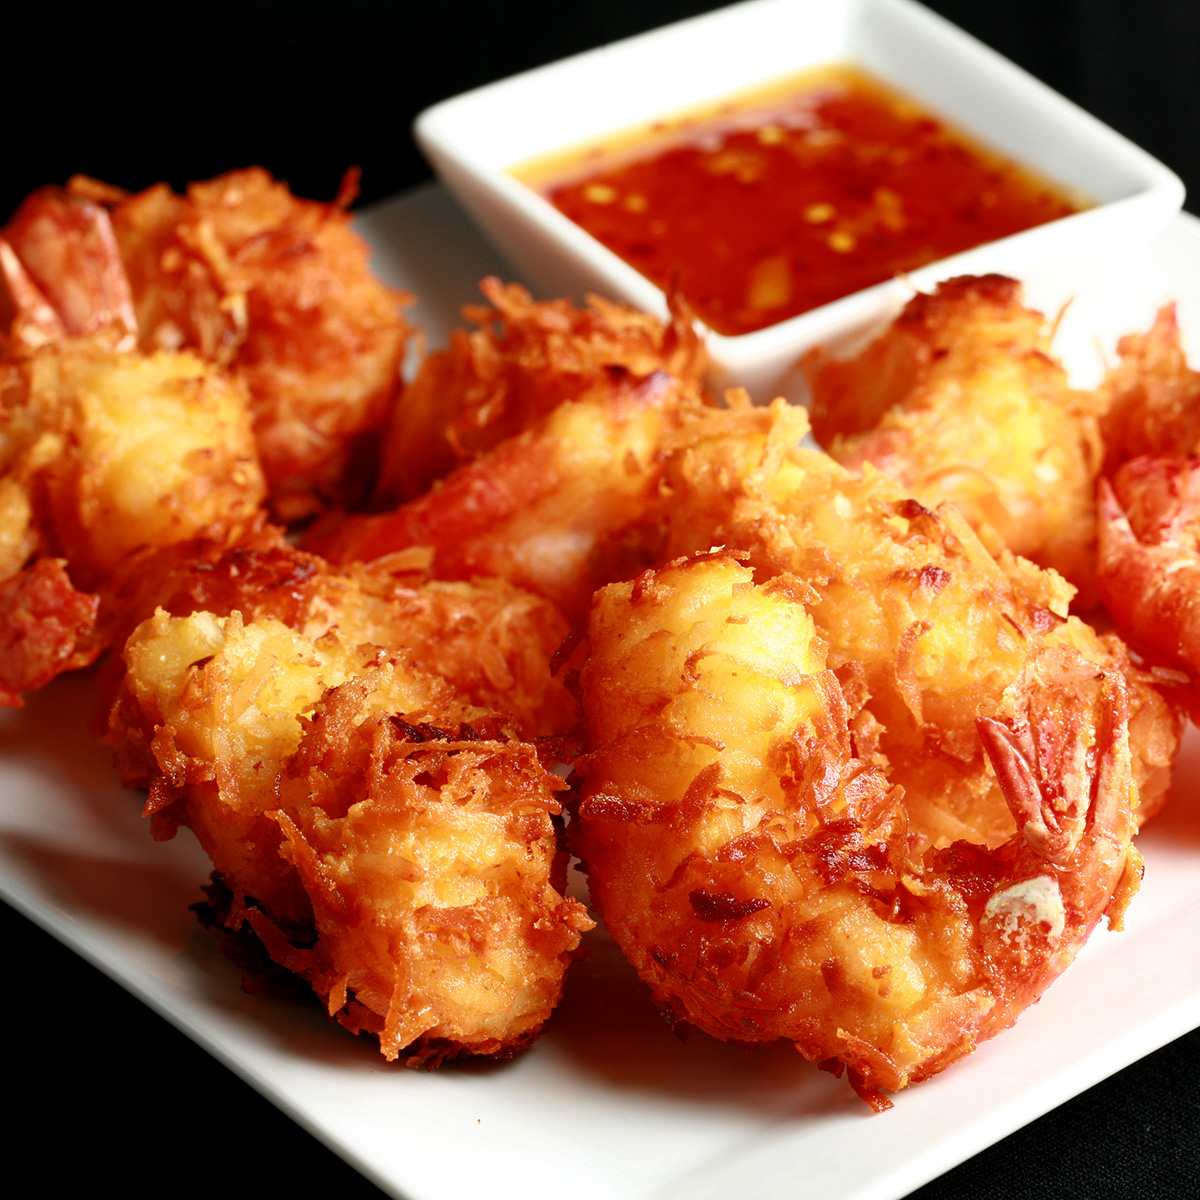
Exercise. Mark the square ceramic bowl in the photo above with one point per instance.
(475, 140)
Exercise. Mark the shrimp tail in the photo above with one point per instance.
(1065, 769)
(63, 273)
(1148, 568)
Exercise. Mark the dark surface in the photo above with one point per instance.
(121, 94)
(131, 1098)
(132, 1101)
(307, 88)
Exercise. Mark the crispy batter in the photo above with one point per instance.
(522, 361)
(468, 935)
(47, 626)
(913, 607)
(409, 874)
(1149, 566)
(279, 290)
(115, 451)
(545, 509)
(1149, 520)
(1152, 396)
(757, 863)
(493, 640)
(102, 453)
(961, 400)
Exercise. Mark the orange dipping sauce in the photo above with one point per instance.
(778, 201)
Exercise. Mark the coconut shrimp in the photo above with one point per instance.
(914, 609)
(382, 837)
(1149, 564)
(961, 400)
(545, 509)
(103, 452)
(748, 846)
(1152, 396)
(47, 626)
(1149, 526)
(491, 640)
(275, 289)
(523, 359)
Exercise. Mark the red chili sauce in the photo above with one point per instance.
(780, 201)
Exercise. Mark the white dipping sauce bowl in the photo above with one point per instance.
(475, 140)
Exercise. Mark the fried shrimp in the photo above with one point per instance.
(761, 868)
(47, 626)
(279, 291)
(274, 289)
(1149, 522)
(847, 773)
(961, 400)
(383, 838)
(914, 609)
(1149, 564)
(523, 359)
(117, 451)
(851, 781)
(1152, 396)
(103, 452)
(494, 641)
(545, 509)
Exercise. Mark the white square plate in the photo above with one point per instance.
(608, 1105)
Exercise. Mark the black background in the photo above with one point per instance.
(132, 93)
(306, 88)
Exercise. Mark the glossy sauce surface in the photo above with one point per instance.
(779, 201)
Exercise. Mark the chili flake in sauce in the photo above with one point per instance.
(778, 202)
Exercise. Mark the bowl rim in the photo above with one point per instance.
(1153, 192)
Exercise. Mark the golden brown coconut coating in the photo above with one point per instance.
(491, 640)
(961, 400)
(754, 857)
(466, 952)
(546, 509)
(1152, 396)
(106, 452)
(381, 836)
(1149, 564)
(279, 290)
(103, 453)
(1149, 520)
(47, 626)
(523, 360)
(913, 608)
